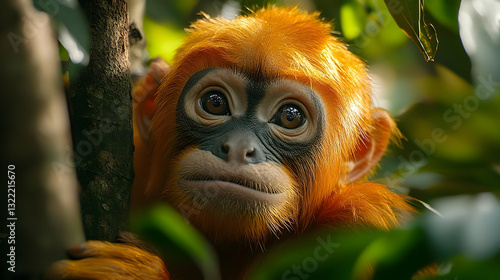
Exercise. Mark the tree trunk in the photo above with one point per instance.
(40, 206)
(102, 121)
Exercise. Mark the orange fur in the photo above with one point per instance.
(363, 204)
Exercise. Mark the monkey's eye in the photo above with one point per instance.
(215, 103)
(289, 116)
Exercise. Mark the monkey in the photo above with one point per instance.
(262, 129)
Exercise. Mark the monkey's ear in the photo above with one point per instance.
(371, 146)
(144, 94)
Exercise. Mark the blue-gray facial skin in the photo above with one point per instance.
(252, 137)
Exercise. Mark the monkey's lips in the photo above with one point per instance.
(223, 190)
(237, 181)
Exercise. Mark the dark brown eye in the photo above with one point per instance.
(289, 116)
(215, 103)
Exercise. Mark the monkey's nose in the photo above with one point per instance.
(238, 152)
(242, 148)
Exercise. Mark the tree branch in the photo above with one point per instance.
(102, 121)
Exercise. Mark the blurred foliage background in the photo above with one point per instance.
(448, 111)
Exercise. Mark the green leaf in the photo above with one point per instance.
(463, 268)
(397, 254)
(352, 19)
(409, 15)
(346, 255)
(167, 230)
(320, 255)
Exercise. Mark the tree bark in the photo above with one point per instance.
(40, 206)
(102, 121)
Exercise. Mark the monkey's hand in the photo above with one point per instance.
(104, 260)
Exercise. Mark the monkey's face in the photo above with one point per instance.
(241, 146)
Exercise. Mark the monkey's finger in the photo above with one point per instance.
(127, 237)
(105, 268)
(104, 249)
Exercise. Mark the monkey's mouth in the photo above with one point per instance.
(229, 195)
(213, 190)
(223, 192)
(231, 181)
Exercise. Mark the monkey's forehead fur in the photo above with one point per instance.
(273, 42)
